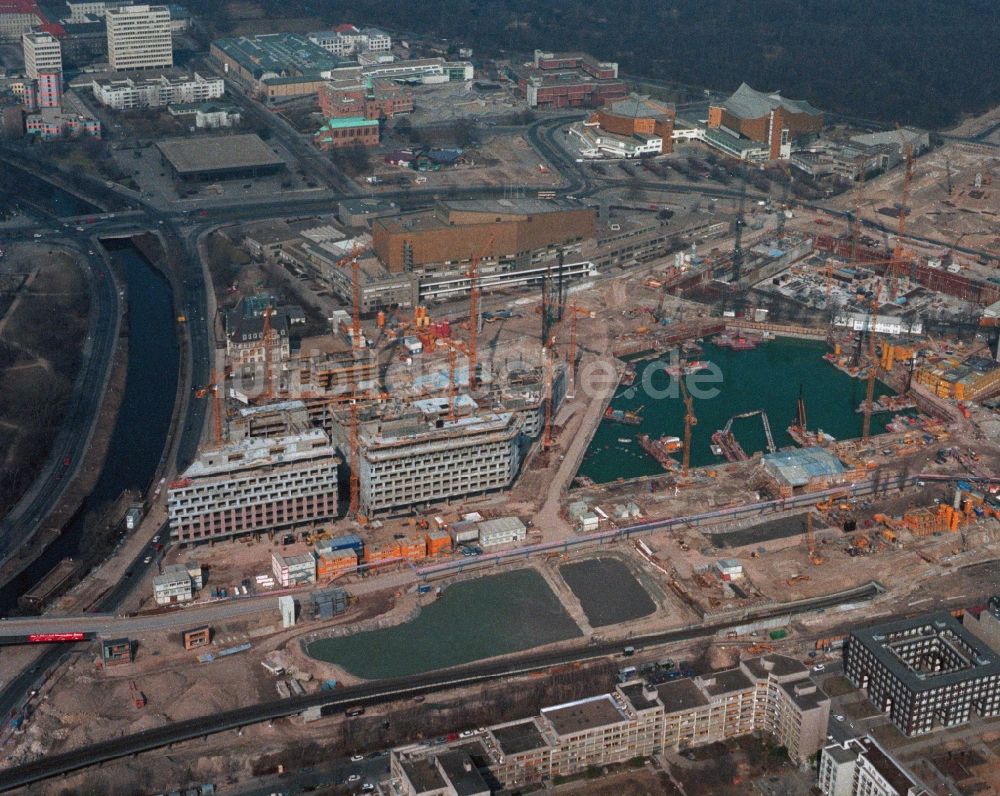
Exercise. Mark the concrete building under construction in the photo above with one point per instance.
(255, 485)
(423, 457)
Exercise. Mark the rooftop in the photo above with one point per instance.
(463, 774)
(260, 452)
(192, 155)
(423, 774)
(887, 767)
(282, 54)
(748, 103)
(726, 682)
(584, 714)
(799, 467)
(682, 694)
(777, 665)
(636, 694)
(521, 736)
(960, 656)
(642, 108)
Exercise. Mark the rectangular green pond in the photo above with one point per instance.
(766, 378)
(471, 620)
(608, 593)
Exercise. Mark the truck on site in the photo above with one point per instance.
(628, 652)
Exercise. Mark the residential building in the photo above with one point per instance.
(48, 90)
(925, 672)
(80, 10)
(507, 232)
(636, 719)
(18, 17)
(139, 37)
(70, 120)
(255, 485)
(42, 53)
(293, 570)
(567, 80)
(861, 767)
(768, 119)
(155, 91)
(208, 115)
(340, 132)
(176, 583)
(425, 458)
(346, 40)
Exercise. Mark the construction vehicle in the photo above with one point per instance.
(759, 648)
(797, 579)
(215, 387)
(138, 698)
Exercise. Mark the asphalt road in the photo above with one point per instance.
(74, 436)
(381, 692)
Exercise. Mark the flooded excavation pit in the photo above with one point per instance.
(471, 620)
(607, 591)
(766, 532)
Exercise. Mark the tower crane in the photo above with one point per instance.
(355, 446)
(898, 253)
(215, 387)
(548, 353)
(574, 311)
(357, 341)
(455, 347)
(859, 195)
(738, 235)
(473, 275)
(267, 339)
(872, 369)
(814, 557)
(689, 422)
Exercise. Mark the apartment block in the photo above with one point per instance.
(861, 767)
(768, 694)
(42, 53)
(567, 80)
(925, 672)
(255, 485)
(347, 40)
(128, 93)
(427, 458)
(139, 37)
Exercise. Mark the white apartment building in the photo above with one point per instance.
(79, 11)
(139, 37)
(42, 53)
(15, 21)
(428, 459)
(861, 767)
(123, 94)
(347, 40)
(255, 485)
(293, 570)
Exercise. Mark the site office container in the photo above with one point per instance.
(438, 542)
(375, 554)
(334, 563)
(413, 548)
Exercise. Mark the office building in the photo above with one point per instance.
(177, 583)
(567, 80)
(371, 99)
(80, 10)
(510, 232)
(155, 91)
(139, 37)
(42, 53)
(425, 458)
(255, 485)
(925, 672)
(861, 767)
(277, 66)
(18, 17)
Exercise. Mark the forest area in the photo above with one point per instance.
(921, 62)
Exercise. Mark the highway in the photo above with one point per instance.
(383, 691)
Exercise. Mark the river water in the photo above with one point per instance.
(766, 378)
(471, 620)
(140, 431)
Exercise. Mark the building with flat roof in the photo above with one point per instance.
(275, 66)
(925, 672)
(803, 467)
(362, 211)
(518, 231)
(255, 485)
(18, 17)
(68, 119)
(176, 583)
(219, 158)
(293, 570)
(861, 767)
(139, 37)
(128, 92)
(42, 53)
(347, 40)
(370, 98)
(424, 458)
(766, 118)
(567, 80)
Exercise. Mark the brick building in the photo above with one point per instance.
(521, 230)
(765, 118)
(377, 99)
(567, 80)
(345, 131)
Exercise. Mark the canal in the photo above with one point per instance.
(471, 620)
(140, 432)
(768, 378)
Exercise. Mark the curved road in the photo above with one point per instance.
(384, 691)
